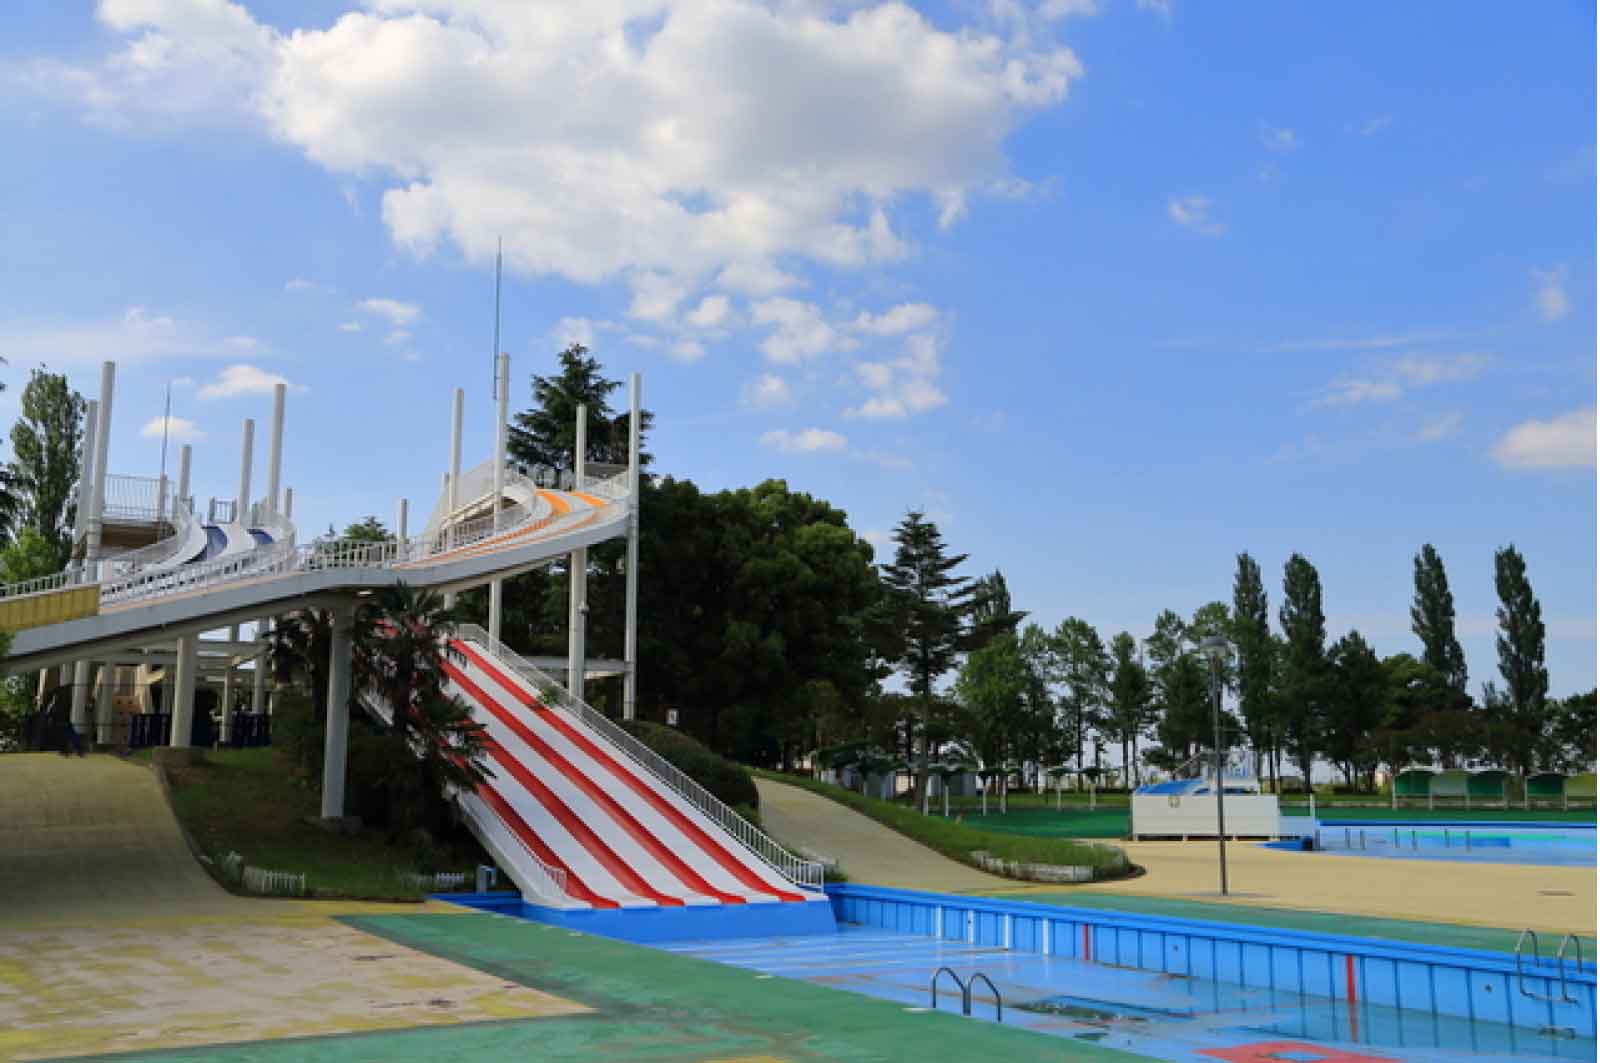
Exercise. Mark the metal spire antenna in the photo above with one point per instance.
(166, 424)
(494, 360)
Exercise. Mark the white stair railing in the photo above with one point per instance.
(807, 873)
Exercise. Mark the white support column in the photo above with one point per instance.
(336, 745)
(95, 528)
(105, 688)
(80, 523)
(183, 692)
(275, 447)
(401, 533)
(578, 574)
(630, 628)
(184, 456)
(452, 479)
(246, 454)
(503, 382)
(225, 734)
(288, 503)
(258, 682)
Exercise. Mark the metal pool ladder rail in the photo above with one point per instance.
(1561, 965)
(966, 991)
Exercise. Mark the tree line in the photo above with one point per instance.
(770, 627)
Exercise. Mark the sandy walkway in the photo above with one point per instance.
(866, 851)
(1559, 899)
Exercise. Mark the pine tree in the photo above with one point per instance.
(1433, 618)
(1084, 668)
(1128, 702)
(1520, 644)
(1305, 661)
(547, 434)
(1252, 638)
(992, 614)
(931, 609)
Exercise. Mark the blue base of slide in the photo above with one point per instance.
(648, 925)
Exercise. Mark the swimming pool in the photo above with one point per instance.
(1546, 844)
(1156, 1014)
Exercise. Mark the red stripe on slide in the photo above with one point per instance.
(633, 827)
(577, 828)
(508, 815)
(1350, 995)
(731, 863)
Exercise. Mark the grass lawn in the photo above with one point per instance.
(959, 839)
(1036, 815)
(252, 802)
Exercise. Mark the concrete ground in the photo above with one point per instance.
(1555, 899)
(113, 938)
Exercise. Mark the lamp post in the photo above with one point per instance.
(1218, 649)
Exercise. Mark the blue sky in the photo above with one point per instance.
(1112, 289)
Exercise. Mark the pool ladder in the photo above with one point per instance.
(966, 990)
(1561, 965)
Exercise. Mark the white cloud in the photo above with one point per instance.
(1194, 213)
(137, 335)
(1442, 427)
(907, 317)
(1374, 126)
(656, 296)
(764, 392)
(1278, 138)
(800, 331)
(805, 441)
(350, 326)
(687, 351)
(905, 385)
(570, 330)
(177, 429)
(756, 279)
(300, 284)
(397, 336)
(720, 134)
(1550, 297)
(712, 312)
(1160, 7)
(242, 343)
(398, 313)
(1566, 441)
(1396, 378)
(238, 380)
(1068, 8)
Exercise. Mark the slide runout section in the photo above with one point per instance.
(749, 870)
(515, 847)
(660, 857)
(576, 848)
(662, 838)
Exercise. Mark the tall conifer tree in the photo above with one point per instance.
(1433, 618)
(1520, 644)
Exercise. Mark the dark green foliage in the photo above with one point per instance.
(992, 688)
(727, 781)
(930, 609)
(1257, 658)
(1570, 733)
(370, 530)
(1520, 644)
(991, 608)
(1433, 618)
(1128, 713)
(1305, 666)
(1357, 692)
(1084, 669)
(547, 433)
(28, 556)
(45, 463)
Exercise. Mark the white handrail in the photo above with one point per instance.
(159, 552)
(802, 872)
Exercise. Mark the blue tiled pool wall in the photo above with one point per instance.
(653, 925)
(1466, 983)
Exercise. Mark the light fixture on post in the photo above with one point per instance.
(1218, 649)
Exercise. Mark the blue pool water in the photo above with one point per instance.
(1552, 845)
(1159, 1015)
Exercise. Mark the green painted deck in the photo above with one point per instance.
(649, 1005)
(1449, 935)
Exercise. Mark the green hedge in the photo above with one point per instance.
(959, 841)
(727, 781)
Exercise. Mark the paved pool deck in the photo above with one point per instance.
(1266, 885)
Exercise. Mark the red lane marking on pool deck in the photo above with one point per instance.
(1290, 1052)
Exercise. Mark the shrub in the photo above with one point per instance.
(727, 781)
